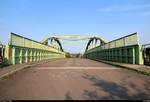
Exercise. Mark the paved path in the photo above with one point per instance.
(75, 79)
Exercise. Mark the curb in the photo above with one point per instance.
(26, 66)
(129, 68)
(13, 72)
(125, 67)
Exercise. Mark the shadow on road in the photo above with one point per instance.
(114, 90)
(68, 96)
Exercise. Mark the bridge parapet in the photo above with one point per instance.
(125, 49)
(24, 50)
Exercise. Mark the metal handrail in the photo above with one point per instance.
(146, 45)
(144, 49)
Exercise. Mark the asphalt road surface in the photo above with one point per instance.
(75, 79)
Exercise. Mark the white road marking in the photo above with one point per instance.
(44, 68)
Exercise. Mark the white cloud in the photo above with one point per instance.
(124, 8)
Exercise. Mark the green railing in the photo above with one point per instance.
(24, 50)
(125, 50)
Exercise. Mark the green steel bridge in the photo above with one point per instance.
(23, 50)
(46, 71)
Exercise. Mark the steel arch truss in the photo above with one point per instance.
(94, 39)
(53, 40)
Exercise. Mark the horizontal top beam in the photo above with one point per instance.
(73, 37)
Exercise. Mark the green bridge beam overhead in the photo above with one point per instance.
(74, 38)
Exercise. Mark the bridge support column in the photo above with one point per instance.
(126, 55)
(133, 55)
(20, 56)
(40, 55)
(31, 55)
(34, 55)
(139, 53)
(120, 55)
(13, 55)
(27, 56)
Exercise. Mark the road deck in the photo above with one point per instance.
(71, 79)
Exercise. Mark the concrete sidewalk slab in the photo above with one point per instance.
(5, 71)
(138, 68)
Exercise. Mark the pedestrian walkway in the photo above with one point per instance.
(14, 68)
(139, 68)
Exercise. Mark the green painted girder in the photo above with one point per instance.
(125, 49)
(24, 50)
(73, 37)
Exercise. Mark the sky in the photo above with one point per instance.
(110, 19)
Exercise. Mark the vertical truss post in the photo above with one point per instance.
(31, 55)
(20, 56)
(40, 55)
(133, 55)
(13, 55)
(27, 56)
